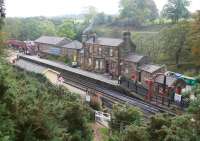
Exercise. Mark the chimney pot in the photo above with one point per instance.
(84, 38)
(127, 35)
(94, 36)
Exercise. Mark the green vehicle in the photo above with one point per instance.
(191, 81)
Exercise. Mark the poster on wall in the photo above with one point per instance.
(54, 51)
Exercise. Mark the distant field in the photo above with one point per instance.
(146, 38)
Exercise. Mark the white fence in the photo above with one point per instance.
(102, 118)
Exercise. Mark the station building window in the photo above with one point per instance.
(100, 51)
(126, 70)
(97, 65)
(101, 64)
(90, 61)
(91, 49)
(111, 52)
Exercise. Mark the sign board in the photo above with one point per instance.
(88, 99)
(102, 118)
(54, 51)
(60, 80)
(177, 97)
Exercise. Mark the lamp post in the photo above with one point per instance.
(149, 82)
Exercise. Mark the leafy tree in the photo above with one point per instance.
(90, 13)
(2, 13)
(28, 28)
(194, 109)
(13, 27)
(155, 128)
(2, 16)
(182, 129)
(31, 108)
(137, 11)
(125, 116)
(135, 133)
(47, 27)
(174, 41)
(176, 9)
(79, 121)
(67, 29)
(194, 41)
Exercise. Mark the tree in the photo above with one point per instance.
(2, 13)
(67, 29)
(176, 9)
(174, 41)
(155, 128)
(125, 116)
(194, 109)
(28, 28)
(182, 129)
(153, 10)
(90, 13)
(136, 133)
(194, 41)
(32, 109)
(2, 16)
(137, 11)
(13, 27)
(47, 27)
(75, 119)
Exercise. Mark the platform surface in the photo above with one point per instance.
(29, 66)
(98, 77)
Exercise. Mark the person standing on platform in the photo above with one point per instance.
(120, 80)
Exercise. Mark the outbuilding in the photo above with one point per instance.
(48, 45)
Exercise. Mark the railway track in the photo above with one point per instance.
(115, 96)
(83, 82)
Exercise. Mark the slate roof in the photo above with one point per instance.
(151, 68)
(74, 45)
(170, 81)
(112, 42)
(51, 40)
(136, 58)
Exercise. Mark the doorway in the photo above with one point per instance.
(107, 67)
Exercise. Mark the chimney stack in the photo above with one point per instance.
(84, 38)
(94, 37)
(127, 36)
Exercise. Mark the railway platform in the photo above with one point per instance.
(87, 80)
(64, 68)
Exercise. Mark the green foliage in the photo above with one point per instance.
(194, 109)
(32, 109)
(174, 41)
(28, 28)
(33, 28)
(181, 129)
(2, 13)
(57, 58)
(193, 39)
(79, 120)
(156, 130)
(124, 116)
(138, 11)
(67, 29)
(102, 19)
(176, 9)
(95, 105)
(135, 133)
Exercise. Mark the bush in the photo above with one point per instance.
(32, 109)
